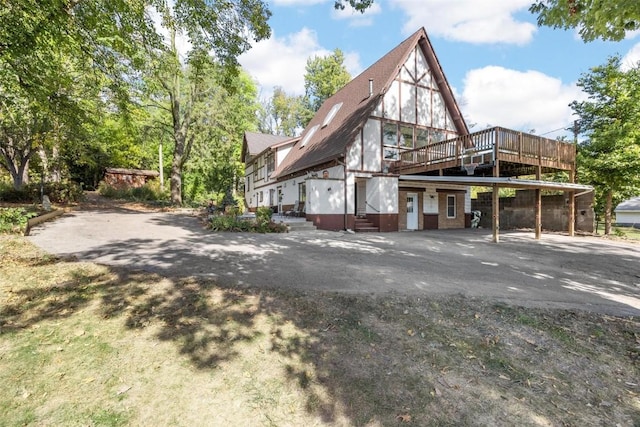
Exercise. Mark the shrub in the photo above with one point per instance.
(58, 192)
(14, 220)
(262, 223)
(150, 192)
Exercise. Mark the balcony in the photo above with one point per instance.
(493, 152)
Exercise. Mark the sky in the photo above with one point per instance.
(504, 69)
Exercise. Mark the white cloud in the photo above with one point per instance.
(631, 59)
(282, 61)
(524, 101)
(355, 18)
(472, 21)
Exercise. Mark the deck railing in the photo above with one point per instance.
(509, 144)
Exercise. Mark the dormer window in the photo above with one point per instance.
(308, 136)
(332, 113)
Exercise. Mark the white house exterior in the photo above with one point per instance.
(368, 159)
(628, 213)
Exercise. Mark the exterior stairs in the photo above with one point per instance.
(363, 225)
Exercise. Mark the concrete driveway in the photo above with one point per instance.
(558, 271)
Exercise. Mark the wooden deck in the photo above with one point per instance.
(515, 153)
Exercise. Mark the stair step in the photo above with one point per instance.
(301, 226)
(367, 229)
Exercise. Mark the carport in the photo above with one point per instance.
(571, 190)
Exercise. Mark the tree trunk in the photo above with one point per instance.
(607, 212)
(17, 163)
(176, 169)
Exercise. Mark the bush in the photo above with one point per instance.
(150, 192)
(58, 192)
(262, 223)
(14, 220)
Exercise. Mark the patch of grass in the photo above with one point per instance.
(630, 233)
(82, 344)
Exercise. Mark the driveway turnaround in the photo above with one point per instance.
(585, 273)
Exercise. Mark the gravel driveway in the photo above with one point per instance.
(557, 271)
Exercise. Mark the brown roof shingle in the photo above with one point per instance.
(255, 143)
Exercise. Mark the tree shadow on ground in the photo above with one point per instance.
(362, 360)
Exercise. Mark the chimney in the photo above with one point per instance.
(370, 88)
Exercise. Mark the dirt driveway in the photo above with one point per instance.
(558, 271)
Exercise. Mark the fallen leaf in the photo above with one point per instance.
(123, 389)
(411, 332)
(404, 418)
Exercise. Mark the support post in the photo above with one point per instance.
(495, 209)
(572, 205)
(538, 207)
(572, 213)
(495, 205)
(538, 225)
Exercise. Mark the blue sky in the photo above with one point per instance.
(504, 70)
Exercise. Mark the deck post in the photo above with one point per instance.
(495, 209)
(538, 206)
(572, 204)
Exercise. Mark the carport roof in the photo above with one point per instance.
(500, 182)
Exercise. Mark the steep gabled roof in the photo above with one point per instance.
(330, 142)
(255, 143)
(631, 205)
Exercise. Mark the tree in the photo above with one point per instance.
(221, 119)
(605, 19)
(283, 114)
(324, 77)
(610, 158)
(359, 5)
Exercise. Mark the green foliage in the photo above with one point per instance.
(595, 19)
(261, 224)
(58, 192)
(610, 158)
(359, 5)
(283, 114)
(324, 77)
(150, 192)
(14, 220)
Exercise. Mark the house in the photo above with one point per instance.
(628, 213)
(129, 178)
(391, 151)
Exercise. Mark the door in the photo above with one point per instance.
(361, 198)
(412, 211)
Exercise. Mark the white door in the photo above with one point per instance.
(279, 200)
(412, 211)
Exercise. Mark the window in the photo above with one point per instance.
(422, 138)
(308, 136)
(272, 197)
(406, 136)
(261, 196)
(390, 141)
(302, 192)
(271, 163)
(332, 114)
(451, 206)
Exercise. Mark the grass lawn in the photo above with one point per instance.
(630, 233)
(83, 344)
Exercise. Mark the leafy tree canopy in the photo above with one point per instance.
(324, 77)
(595, 19)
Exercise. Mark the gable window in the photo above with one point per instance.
(422, 138)
(451, 206)
(406, 136)
(390, 141)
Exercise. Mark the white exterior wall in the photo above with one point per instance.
(382, 195)
(372, 158)
(325, 196)
(354, 154)
(627, 217)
